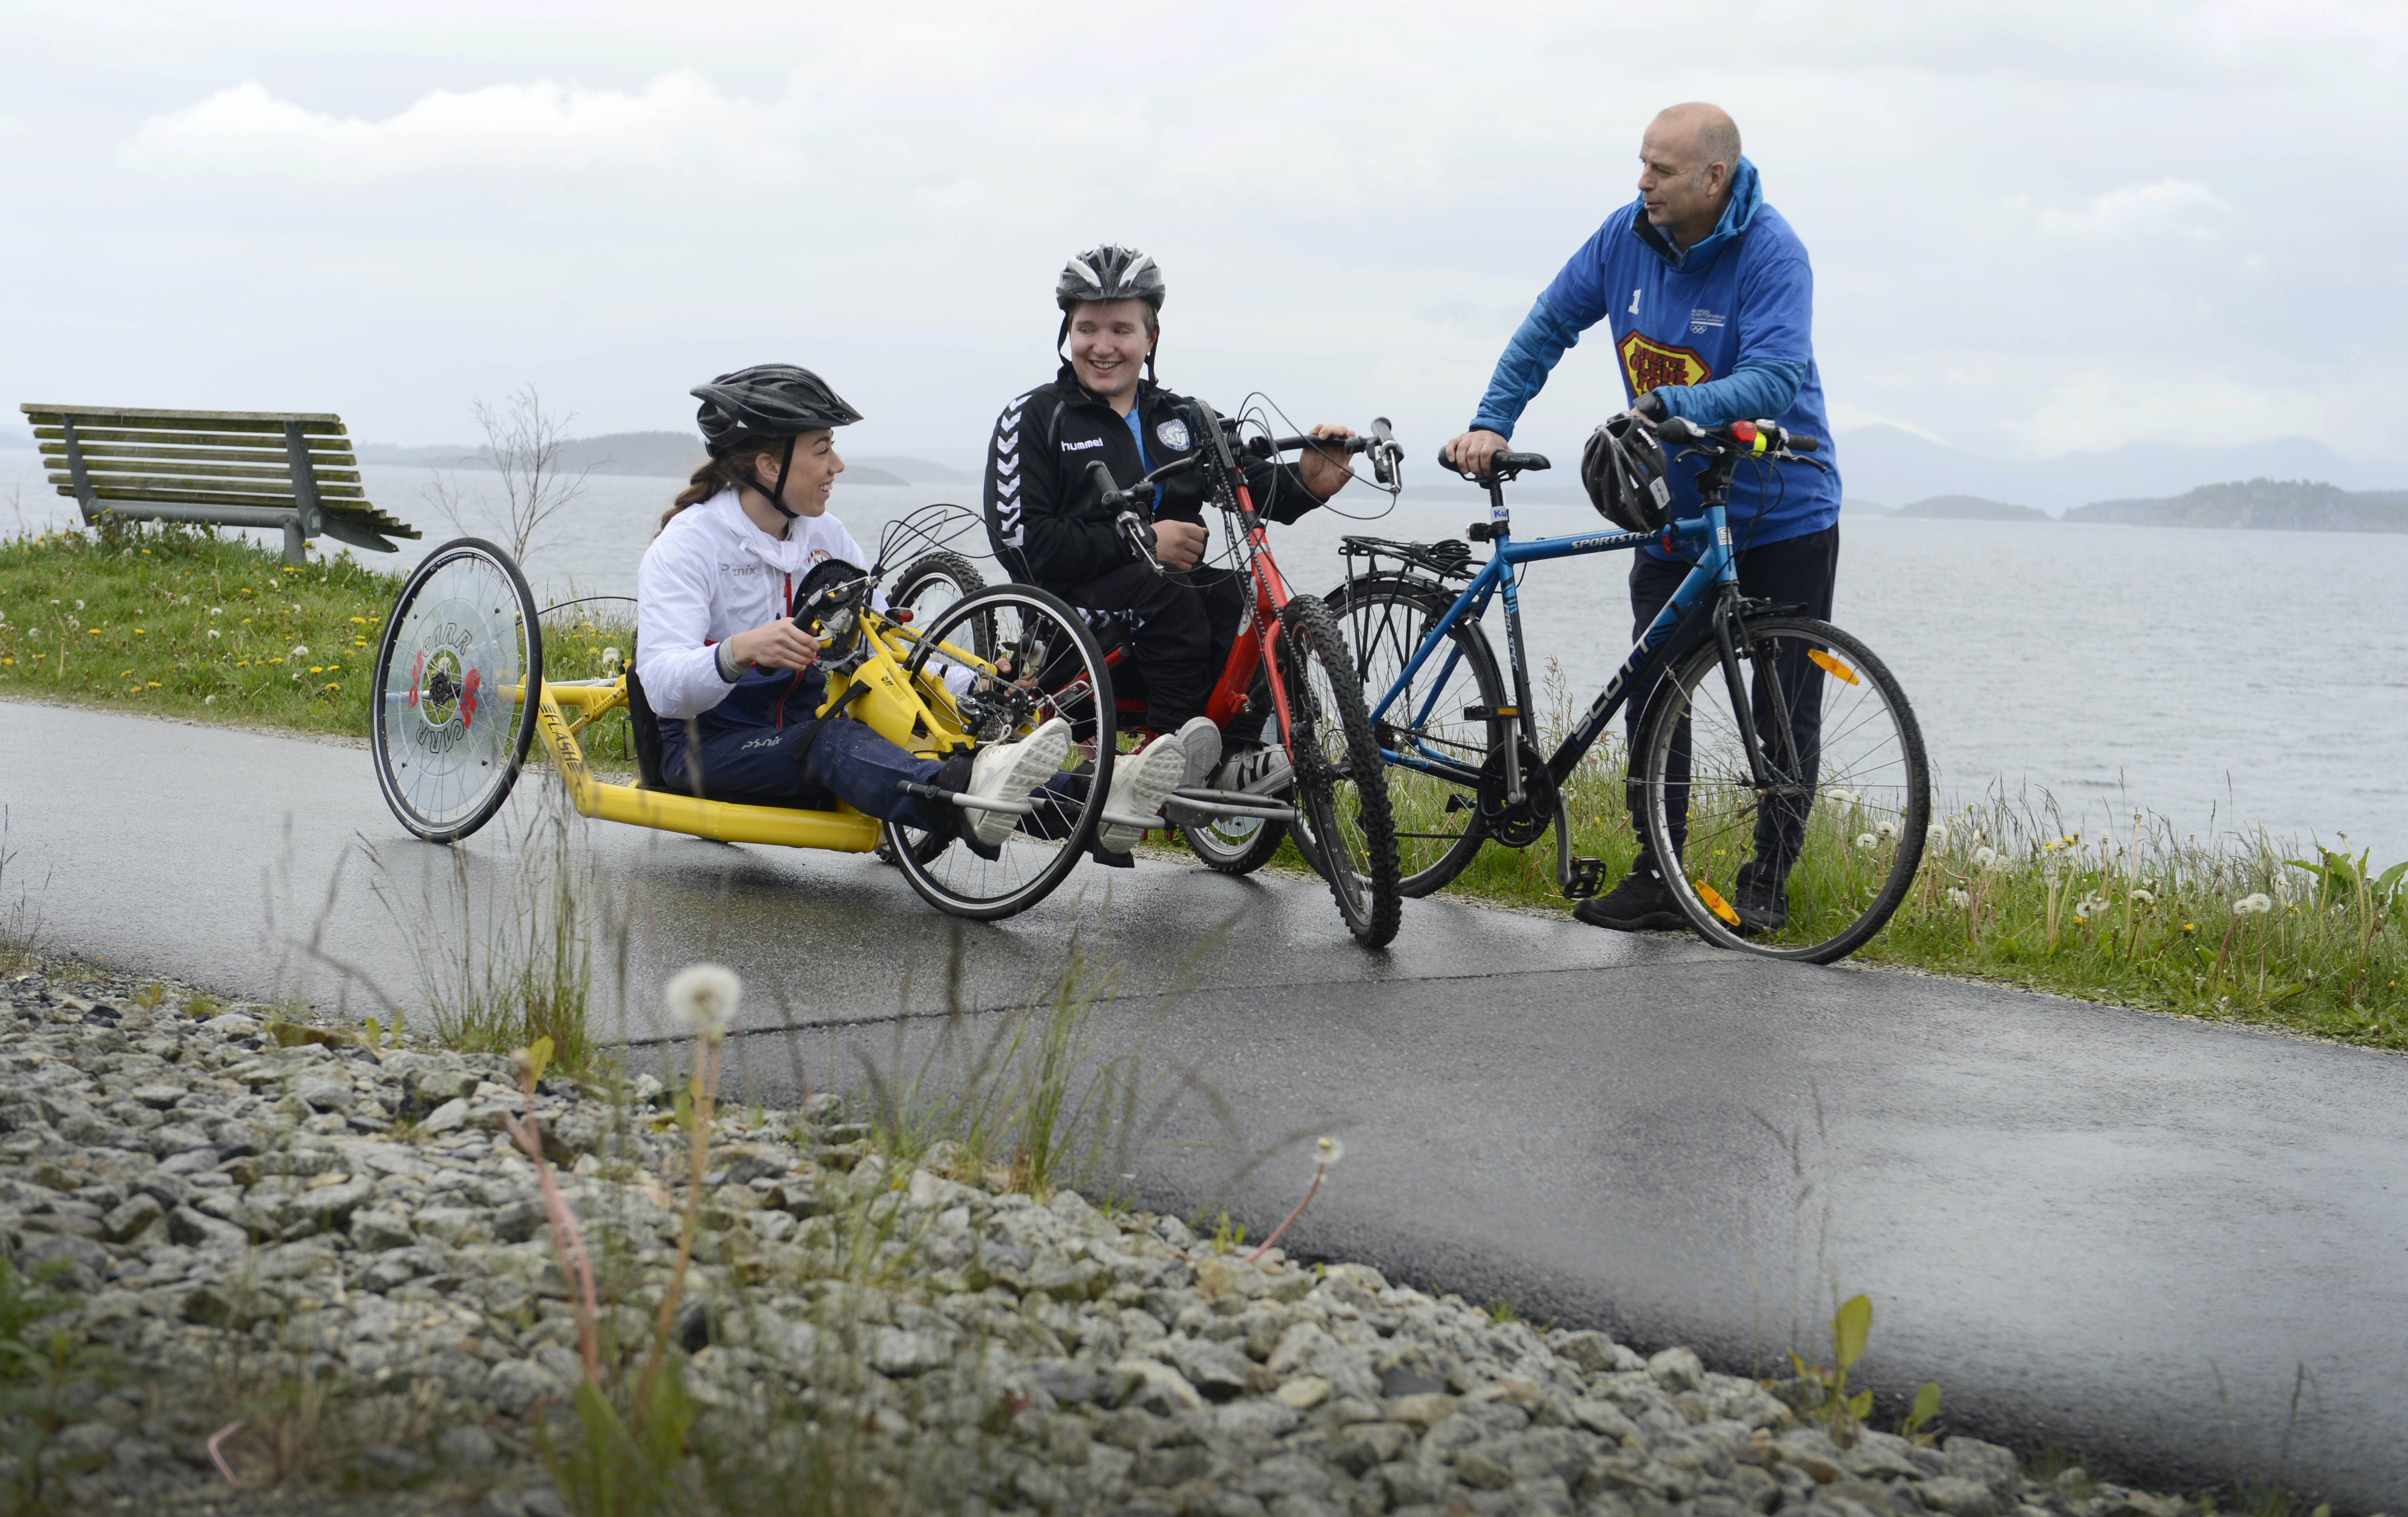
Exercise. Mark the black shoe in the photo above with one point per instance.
(946, 820)
(1763, 898)
(1642, 903)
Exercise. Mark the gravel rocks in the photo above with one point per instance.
(338, 1211)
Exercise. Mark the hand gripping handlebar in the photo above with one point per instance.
(1387, 457)
(1504, 465)
(1128, 521)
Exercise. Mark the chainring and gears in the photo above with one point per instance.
(1516, 826)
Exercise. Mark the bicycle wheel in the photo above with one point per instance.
(1051, 667)
(452, 710)
(1434, 749)
(927, 586)
(933, 582)
(1236, 844)
(1344, 826)
(1839, 829)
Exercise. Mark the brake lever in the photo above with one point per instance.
(1387, 458)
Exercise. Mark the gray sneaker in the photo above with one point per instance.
(1257, 771)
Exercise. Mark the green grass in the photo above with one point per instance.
(174, 621)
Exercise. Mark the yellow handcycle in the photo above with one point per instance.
(944, 666)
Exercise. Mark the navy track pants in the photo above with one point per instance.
(849, 762)
(1797, 571)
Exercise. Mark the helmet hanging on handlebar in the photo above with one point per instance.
(1624, 467)
(1108, 272)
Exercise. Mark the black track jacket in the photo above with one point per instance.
(1047, 519)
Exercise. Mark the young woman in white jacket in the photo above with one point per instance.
(722, 664)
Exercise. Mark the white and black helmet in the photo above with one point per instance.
(764, 403)
(1622, 467)
(1109, 272)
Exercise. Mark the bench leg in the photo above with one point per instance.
(293, 541)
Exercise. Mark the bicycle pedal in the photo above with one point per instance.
(1588, 876)
(1455, 802)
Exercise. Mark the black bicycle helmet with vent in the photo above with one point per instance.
(1623, 468)
(1108, 272)
(766, 401)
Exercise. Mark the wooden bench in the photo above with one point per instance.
(288, 469)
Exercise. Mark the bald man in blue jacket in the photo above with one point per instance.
(1710, 300)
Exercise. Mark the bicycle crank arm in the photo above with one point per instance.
(1579, 878)
(966, 802)
(1199, 801)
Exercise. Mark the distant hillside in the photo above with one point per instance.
(667, 455)
(1888, 462)
(1867, 508)
(2259, 504)
(1969, 509)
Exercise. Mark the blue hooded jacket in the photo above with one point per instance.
(1721, 332)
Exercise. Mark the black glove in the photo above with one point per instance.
(1650, 406)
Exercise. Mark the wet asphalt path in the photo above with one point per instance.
(2127, 1234)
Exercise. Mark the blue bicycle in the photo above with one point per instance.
(1777, 770)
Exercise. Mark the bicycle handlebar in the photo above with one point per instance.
(1387, 457)
(1766, 438)
(1508, 463)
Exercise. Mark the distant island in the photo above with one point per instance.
(1970, 509)
(2258, 505)
(666, 455)
(1866, 507)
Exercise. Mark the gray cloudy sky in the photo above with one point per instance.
(2035, 227)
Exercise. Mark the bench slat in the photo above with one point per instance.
(313, 424)
(105, 469)
(55, 439)
(136, 487)
(200, 453)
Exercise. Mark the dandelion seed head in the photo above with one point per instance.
(1986, 858)
(2146, 897)
(1330, 1151)
(1958, 899)
(299, 650)
(2254, 905)
(1866, 840)
(702, 998)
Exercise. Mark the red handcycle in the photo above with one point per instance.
(1288, 674)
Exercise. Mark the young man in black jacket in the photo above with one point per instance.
(1050, 527)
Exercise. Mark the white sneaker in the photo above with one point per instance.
(1200, 740)
(1009, 771)
(1142, 781)
(1260, 771)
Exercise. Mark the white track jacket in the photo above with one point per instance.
(709, 575)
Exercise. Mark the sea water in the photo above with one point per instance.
(2227, 681)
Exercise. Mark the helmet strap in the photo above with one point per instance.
(777, 497)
